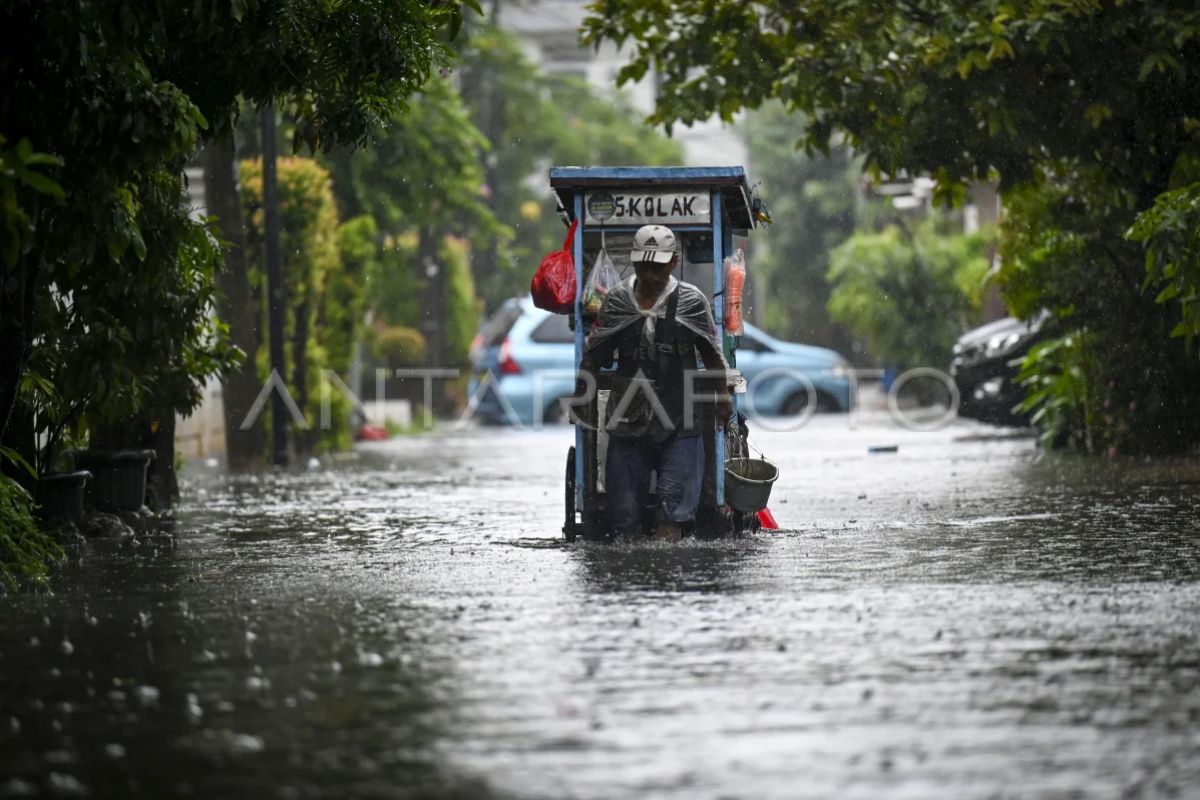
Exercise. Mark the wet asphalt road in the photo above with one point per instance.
(964, 618)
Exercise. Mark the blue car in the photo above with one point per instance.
(523, 363)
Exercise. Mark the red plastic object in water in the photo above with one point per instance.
(372, 433)
(767, 520)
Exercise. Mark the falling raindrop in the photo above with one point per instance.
(146, 695)
(368, 659)
(245, 744)
(193, 710)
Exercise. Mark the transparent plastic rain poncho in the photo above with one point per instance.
(620, 310)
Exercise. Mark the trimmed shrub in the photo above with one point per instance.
(400, 346)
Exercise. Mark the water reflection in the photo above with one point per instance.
(957, 618)
(205, 670)
(690, 566)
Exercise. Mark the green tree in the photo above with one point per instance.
(459, 163)
(1062, 249)
(426, 177)
(531, 121)
(26, 552)
(402, 287)
(910, 293)
(426, 170)
(815, 199)
(125, 355)
(123, 93)
(1171, 233)
(1093, 105)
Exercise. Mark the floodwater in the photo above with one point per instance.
(966, 617)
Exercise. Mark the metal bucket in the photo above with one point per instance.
(748, 483)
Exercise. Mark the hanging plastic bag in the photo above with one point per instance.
(604, 276)
(735, 280)
(553, 285)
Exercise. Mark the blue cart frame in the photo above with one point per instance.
(731, 212)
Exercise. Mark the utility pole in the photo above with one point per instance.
(275, 289)
(434, 326)
(493, 123)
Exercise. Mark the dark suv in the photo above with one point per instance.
(985, 365)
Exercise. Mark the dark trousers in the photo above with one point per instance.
(679, 465)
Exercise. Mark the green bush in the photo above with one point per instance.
(1054, 374)
(323, 297)
(462, 308)
(399, 346)
(402, 294)
(1170, 232)
(910, 293)
(1063, 250)
(26, 551)
(344, 301)
(138, 340)
(397, 284)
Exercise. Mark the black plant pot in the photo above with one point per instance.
(119, 482)
(60, 497)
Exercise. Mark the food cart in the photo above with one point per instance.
(711, 211)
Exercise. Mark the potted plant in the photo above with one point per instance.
(131, 346)
(119, 477)
(60, 496)
(57, 489)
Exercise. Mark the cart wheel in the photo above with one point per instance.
(745, 524)
(569, 526)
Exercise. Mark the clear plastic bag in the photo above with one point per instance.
(603, 278)
(622, 310)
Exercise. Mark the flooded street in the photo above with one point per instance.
(966, 617)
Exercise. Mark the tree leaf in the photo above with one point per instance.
(18, 460)
(40, 183)
(1001, 48)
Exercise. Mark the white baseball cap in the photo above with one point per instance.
(653, 243)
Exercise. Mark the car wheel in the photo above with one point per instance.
(797, 402)
(554, 415)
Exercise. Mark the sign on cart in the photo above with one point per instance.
(642, 208)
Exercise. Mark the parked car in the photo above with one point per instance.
(530, 354)
(985, 365)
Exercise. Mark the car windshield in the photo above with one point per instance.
(492, 333)
(554, 329)
(752, 344)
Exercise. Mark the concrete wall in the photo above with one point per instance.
(202, 435)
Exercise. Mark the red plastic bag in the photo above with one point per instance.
(553, 285)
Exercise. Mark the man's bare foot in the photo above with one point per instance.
(668, 532)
